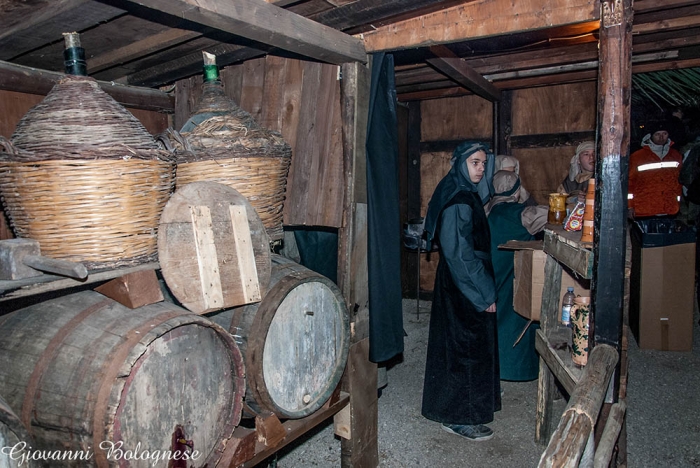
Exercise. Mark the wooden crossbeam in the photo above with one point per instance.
(457, 70)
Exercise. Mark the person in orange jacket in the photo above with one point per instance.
(653, 188)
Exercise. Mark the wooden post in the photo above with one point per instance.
(504, 127)
(614, 90)
(546, 389)
(360, 379)
(576, 424)
(413, 200)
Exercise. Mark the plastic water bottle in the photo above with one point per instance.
(566, 303)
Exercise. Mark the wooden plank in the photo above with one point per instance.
(478, 19)
(188, 65)
(262, 22)
(187, 94)
(570, 252)
(44, 22)
(548, 140)
(198, 253)
(296, 428)
(360, 381)
(611, 432)
(457, 70)
(667, 24)
(354, 104)
(544, 417)
(33, 81)
(138, 49)
(447, 120)
(247, 270)
(561, 371)
(212, 295)
(46, 283)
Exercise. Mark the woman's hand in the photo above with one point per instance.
(492, 308)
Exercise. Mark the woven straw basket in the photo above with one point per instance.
(84, 178)
(222, 143)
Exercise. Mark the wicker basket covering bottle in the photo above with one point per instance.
(83, 176)
(222, 143)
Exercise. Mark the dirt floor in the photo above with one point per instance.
(663, 424)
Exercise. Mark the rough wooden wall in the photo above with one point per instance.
(457, 118)
(301, 100)
(550, 110)
(540, 113)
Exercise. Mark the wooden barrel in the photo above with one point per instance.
(14, 439)
(294, 342)
(85, 372)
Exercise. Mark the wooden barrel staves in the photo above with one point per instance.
(87, 374)
(14, 439)
(294, 342)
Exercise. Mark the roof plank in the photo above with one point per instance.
(268, 24)
(480, 19)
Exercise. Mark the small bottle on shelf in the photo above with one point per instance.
(566, 303)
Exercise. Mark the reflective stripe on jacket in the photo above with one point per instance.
(653, 182)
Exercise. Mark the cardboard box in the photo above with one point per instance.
(662, 288)
(528, 282)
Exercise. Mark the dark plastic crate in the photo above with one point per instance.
(662, 233)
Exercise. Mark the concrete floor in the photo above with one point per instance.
(663, 423)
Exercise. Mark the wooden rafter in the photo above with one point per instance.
(456, 69)
(260, 21)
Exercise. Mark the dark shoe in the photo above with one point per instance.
(476, 432)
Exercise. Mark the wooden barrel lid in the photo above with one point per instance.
(213, 250)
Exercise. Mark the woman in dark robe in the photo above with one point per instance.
(511, 220)
(461, 389)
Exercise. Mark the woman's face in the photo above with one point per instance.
(476, 165)
(587, 160)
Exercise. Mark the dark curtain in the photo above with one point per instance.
(318, 250)
(384, 243)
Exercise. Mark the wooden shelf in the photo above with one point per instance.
(566, 248)
(247, 447)
(556, 354)
(45, 283)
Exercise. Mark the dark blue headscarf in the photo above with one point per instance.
(458, 180)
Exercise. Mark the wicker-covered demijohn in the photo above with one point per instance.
(222, 143)
(82, 176)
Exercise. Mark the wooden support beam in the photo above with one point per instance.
(610, 224)
(457, 70)
(667, 25)
(550, 140)
(478, 19)
(33, 81)
(266, 23)
(504, 127)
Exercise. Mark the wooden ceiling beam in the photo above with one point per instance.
(457, 70)
(47, 22)
(33, 81)
(479, 19)
(268, 24)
